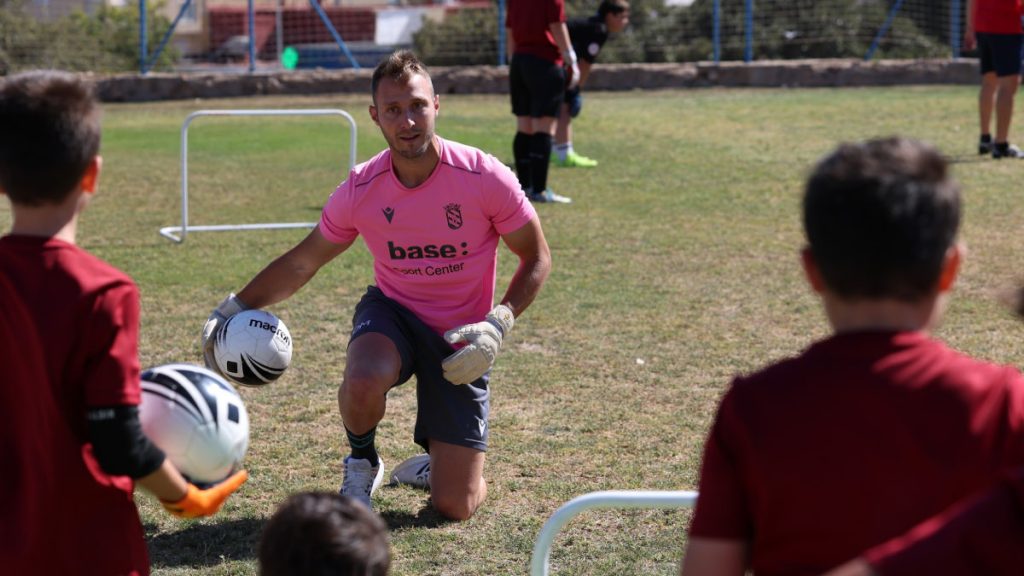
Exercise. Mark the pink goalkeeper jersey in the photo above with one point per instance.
(434, 246)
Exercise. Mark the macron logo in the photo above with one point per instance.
(389, 213)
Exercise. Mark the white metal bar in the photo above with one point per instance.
(178, 233)
(604, 499)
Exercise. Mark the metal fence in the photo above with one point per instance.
(254, 35)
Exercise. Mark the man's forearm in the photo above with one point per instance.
(526, 284)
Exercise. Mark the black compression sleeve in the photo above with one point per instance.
(120, 446)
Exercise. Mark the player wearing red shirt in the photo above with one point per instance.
(538, 44)
(878, 427)
(86, 312)
(994, 28)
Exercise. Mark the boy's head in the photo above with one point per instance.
(615, 14)
(324, 534)
(880, 217)
(49, 136)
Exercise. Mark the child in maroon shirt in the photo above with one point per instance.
(878, 427)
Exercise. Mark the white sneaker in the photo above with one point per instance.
(361, 479)
(414, 472)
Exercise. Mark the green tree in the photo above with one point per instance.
(804, 29)
(106, 41)
(470, 36)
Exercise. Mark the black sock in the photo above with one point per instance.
(521, 151)
(986, 138)
(363, 445)
(540, 157)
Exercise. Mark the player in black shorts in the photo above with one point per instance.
(588, 36)
(539, 47)
(994, 27)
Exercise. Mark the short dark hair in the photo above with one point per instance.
(324, 534)
(399, 65)
(49, 133)
(612, 7)
(880, 217)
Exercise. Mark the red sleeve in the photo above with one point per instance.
(980, 535)
(722, 509)
(557, 11)
(112, 374)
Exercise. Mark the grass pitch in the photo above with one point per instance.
(675, 268)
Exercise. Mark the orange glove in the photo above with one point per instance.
(207, 502)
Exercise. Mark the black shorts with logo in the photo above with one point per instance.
(536, 86)
(455, 414)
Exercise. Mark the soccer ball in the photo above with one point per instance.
(253, 348)
(196, 418)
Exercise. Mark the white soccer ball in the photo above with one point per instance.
(196, 418)
(253, 348)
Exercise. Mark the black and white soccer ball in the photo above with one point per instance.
(196, 418)
(253, 348)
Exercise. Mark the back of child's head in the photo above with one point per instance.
(880, 217)
(49, 134)
(324, 534)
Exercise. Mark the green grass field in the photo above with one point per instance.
(676, 268)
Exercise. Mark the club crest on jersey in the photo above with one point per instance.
(453, 212)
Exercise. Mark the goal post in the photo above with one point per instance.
(603, 500)
(178, 233)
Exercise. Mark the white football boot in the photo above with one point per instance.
(413, 472)
(361, 479)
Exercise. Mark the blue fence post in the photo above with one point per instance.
(748, 51)
(252, 37)
(716, 31)
(501, 32)
(167, 36)
(954, 27)
(885, 28)
(143, 49)
(334, 33)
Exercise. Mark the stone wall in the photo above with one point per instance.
(494, 79)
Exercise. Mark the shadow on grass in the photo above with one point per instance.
(200, 545)
(427, 517)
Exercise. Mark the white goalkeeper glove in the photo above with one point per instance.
(572, 68)
(484, 338)
(226, 309)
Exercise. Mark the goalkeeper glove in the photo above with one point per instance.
(484, 338)
(572, 68)
(226, 309)
(198, 502)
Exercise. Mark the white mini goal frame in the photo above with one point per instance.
(605, 499)
(178, 233)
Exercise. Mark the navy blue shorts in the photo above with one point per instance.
(536, 86)
(1000, 53)
(455, 414)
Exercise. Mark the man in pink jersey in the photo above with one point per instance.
(431, 211)
(994, 28)
(86, 315)
(878, 427)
